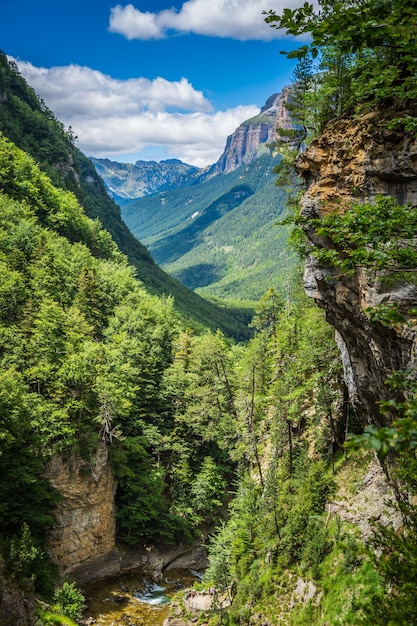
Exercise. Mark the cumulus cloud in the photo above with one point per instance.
(120, 117)
(196, 138)
(238, 19)
(82, 91)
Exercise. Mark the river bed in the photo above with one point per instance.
(133, 599)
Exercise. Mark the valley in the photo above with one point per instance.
(196, 398)
(215, 230)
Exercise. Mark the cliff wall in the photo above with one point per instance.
(85, 520)
(352, 162)
(252, 138)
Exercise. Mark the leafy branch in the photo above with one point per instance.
(377, 236)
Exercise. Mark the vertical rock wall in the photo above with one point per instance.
(252, 138)
(85, 521)
(352, 162)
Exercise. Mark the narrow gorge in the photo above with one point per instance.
(230, 438)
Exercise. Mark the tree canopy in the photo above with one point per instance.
(363, 53)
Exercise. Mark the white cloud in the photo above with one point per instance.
(238, 19)
(81, 91)
(196, 138)
(115, 117)
(134, 24)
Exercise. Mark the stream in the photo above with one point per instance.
(133, 599)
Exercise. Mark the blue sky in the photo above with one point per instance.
(152, 79)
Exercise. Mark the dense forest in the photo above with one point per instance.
(243, 436)
(27, 121)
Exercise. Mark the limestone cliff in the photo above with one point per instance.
(85, 520)
(252, 137)
(353, 161)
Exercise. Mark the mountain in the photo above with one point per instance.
(127, 181)
(254, 136)
(215, 230)
(26, 121)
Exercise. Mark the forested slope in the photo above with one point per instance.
(220, 236)
(87, 356)
(33, 127)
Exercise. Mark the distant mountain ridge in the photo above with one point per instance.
(214, 230)
(128, 181)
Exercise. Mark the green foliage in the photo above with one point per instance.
(143, 511)
(372, 43)
(208, 488)
(268, 312)
(277, 519)
(377, 236)
(21, 554)
(47, 618)
(69, 600)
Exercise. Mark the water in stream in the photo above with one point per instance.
(133, 600)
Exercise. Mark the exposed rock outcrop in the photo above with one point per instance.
(251, 138)
(17, 604)
(151, 560)
(85, 521)
(371, 499)
(353, 161)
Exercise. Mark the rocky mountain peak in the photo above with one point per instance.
(127, 180)
(252, 137)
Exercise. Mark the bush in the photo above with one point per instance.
(69, 600)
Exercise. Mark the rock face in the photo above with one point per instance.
(152, 561)
(351, 162)
(251, 138)
(17, 604)
(85, 520)
(373, 499)
(128, 180)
